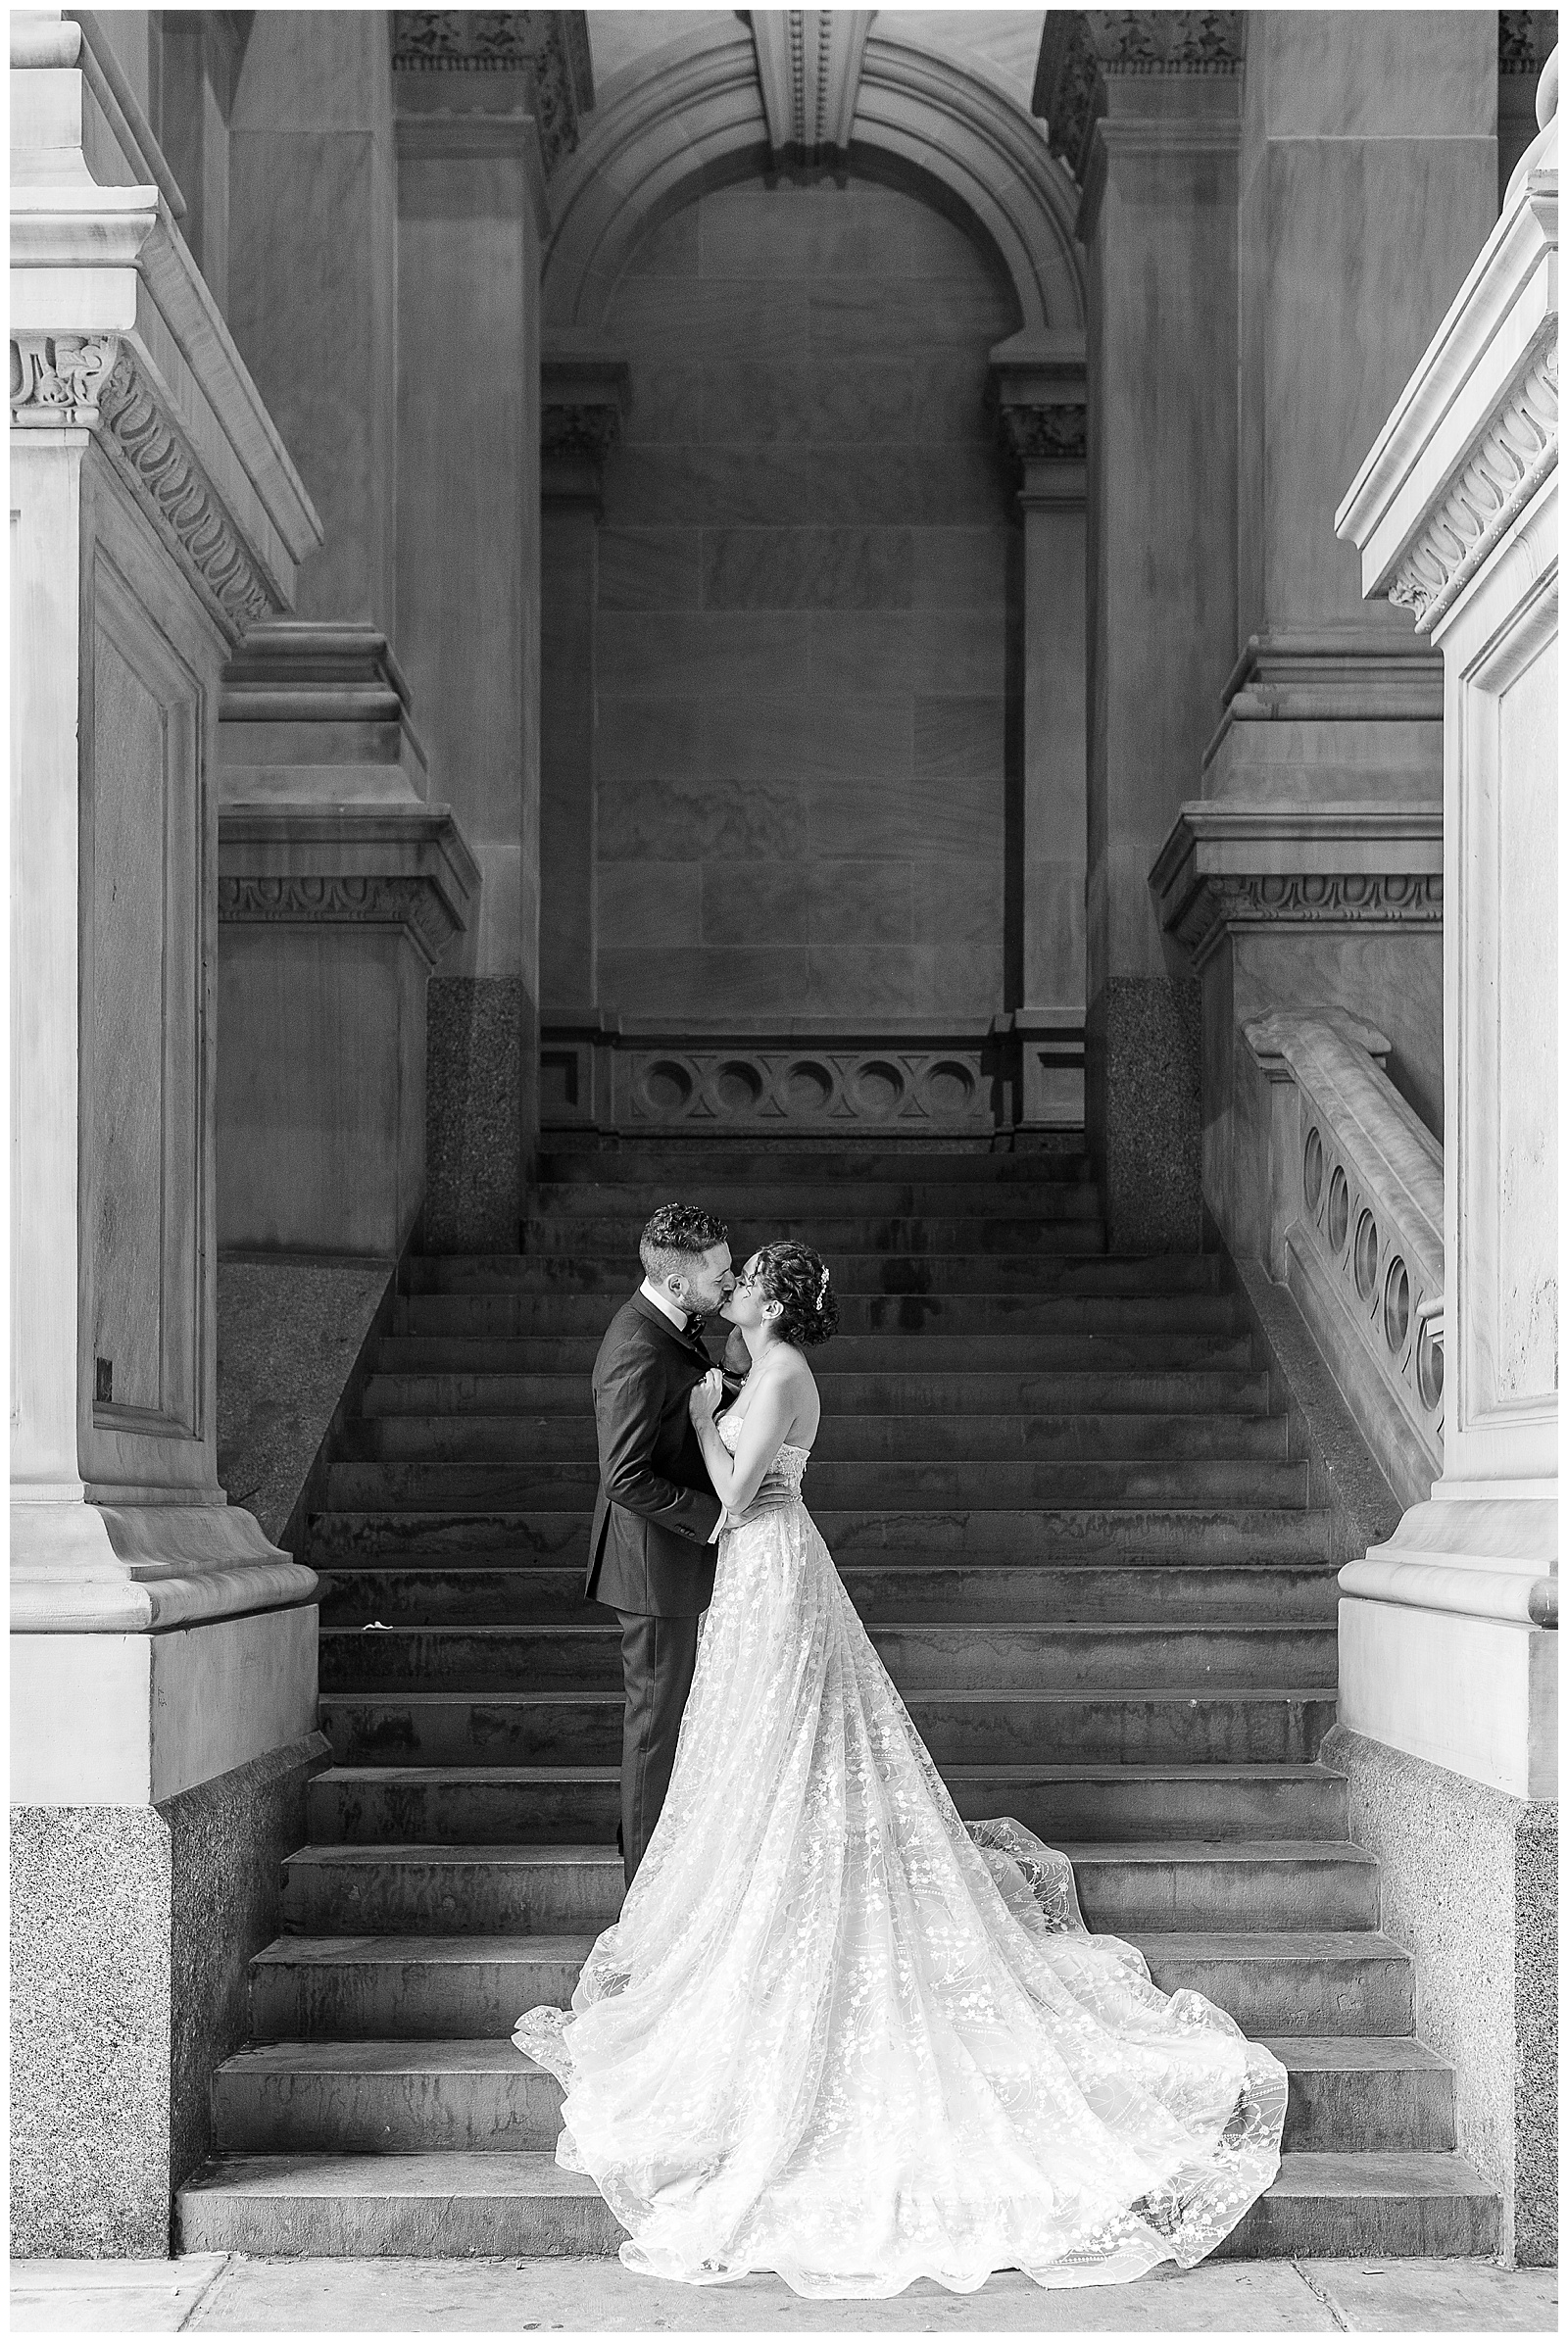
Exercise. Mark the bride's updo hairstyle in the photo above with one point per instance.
(798, 1279)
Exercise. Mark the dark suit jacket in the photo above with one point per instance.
(655, 1511)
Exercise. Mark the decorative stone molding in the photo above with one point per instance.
(583, 434)
(158, 463)
(1501, 473)
(1081, 50)
(1226, 867)
(385, 867)
(809, 64)
(547, 45)
(919, 1087)
(406, 902)
(1472, 441)
(1356, 1233)
(59, 377)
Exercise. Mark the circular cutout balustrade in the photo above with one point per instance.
(1396, 1306)
(1366, 1256)
(738, 1087)
(1429, 1367)
(1312, 1168)
(1339, 1209)
(668, 1087)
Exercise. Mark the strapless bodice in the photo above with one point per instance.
(791, 1461)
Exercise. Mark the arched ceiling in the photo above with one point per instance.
(941, 104)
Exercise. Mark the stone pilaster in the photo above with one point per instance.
(161, 1644)
(583, 390)
(487, 105)
(324, 778)
(1448, 1630)
(1145, 109)
(1039, 387)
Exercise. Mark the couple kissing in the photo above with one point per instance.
(837, 2033)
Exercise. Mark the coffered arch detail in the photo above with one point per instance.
(691, 118)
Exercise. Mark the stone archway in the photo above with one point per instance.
(694, 117)
(687, 127)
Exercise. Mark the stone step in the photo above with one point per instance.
(569, 1805)
(1408, 2206)
(484, 2097)
(525, 2206)
(985, 1656)
(917, 1484)
(1070, 1221)
(1132, 1725)
(474, 1987)
(740, 1202)
(846, 1438)
(1230, 1392)
(664, 1164)
(614, 1276)
(1172, 1885)
(486, 1590)
(954, 1534)
(891, 1353)
(988, 1310)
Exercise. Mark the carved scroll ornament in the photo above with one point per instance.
(56, 378)
(1499, 476)
(94, 381)
(412, 904)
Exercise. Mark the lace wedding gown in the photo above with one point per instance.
(837, 2035)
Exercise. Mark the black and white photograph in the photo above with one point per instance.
(784, 1034)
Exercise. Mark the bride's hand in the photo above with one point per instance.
(706, 1397)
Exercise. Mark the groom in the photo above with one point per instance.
(656, 1520)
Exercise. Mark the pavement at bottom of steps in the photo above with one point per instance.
(218, 2293)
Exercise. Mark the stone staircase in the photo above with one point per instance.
(1060, 1502)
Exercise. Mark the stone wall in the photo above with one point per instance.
(132, 1929)
(801, 632)
(1469, 1884)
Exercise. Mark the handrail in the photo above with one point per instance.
(1357, 1198)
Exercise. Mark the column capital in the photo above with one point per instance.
(1084, 52)
(1037, 391)
(533, 60)
(583, 393)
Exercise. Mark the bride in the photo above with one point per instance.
(835, 2033)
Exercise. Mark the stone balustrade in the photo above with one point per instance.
(606, 1074)
(1356, 1229)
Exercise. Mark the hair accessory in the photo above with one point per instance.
(821, 1290)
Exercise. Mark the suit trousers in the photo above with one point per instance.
(658, 1660)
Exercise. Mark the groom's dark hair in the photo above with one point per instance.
(676, 1234)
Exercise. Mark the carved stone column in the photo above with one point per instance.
(1449, 1630)
(1349, 212)
(487, 104)
(321, 1123)
(1038, 382)
(162, 1649)
(1145, 109)
(582, 391)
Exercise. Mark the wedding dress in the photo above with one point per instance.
(839, 2036)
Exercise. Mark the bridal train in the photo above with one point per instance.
(839, 2036)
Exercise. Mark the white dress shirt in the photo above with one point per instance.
(661, 1300)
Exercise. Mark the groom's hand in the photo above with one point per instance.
(774, 1492)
